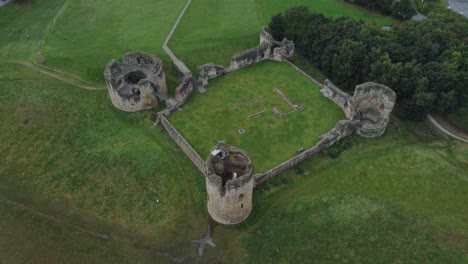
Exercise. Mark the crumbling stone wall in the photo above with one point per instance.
(135, 83)
(342, 129)
(250, 57)
(372, 104)
(229, 195)
(182, 143)
(342, 99)
(187, 86)
(210, 71)
(268, 49)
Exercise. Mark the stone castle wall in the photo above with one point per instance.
(342, 99)
(183, 144)
(342, 129)
(186, 87)
(268, 49)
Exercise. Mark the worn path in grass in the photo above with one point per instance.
(448, 129)
(58, 77)
(100, 161)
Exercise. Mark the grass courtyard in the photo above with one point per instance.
(269, 138)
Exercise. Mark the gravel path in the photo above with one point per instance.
(165, 47)
(459, 6)
(443, 129)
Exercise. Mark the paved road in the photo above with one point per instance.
(2, 3)
(441, 128)
(459, 6)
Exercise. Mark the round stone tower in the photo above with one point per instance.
(229, 184)
(372, 104)
(137, 83)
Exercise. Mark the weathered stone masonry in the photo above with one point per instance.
(139, 83)
(182, 143)
(371, 104)
(229, 184)
(268, 49)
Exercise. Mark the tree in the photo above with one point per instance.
(277, 26)
(297, 22)
(349, 65)
(403, 9)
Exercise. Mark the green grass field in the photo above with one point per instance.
(26, 238)
(23, 19)
(388, 199)
(89, 34)
(216, 33)
(72, 148)
(269, 139)
(68, 153)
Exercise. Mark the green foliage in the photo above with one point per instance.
(296, 22)
(299, 169)
(277, 26)
(401, 9)
(336, 149)
(426, 62)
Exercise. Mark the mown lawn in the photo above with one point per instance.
(71, 149)
(213, 31)
(26, 238)
(22, 25)
(390, 199)
(91, 33)
(269, 139)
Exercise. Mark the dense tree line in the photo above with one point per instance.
(426, 62)
(402, 9)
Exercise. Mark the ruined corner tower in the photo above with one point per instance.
(229, 184)
(137, 83)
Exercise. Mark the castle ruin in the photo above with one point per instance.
(268, 49)
(371, 104)
(229, 184)
(137, 83)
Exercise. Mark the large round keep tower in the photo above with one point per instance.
(229, 184)
(137, 83)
